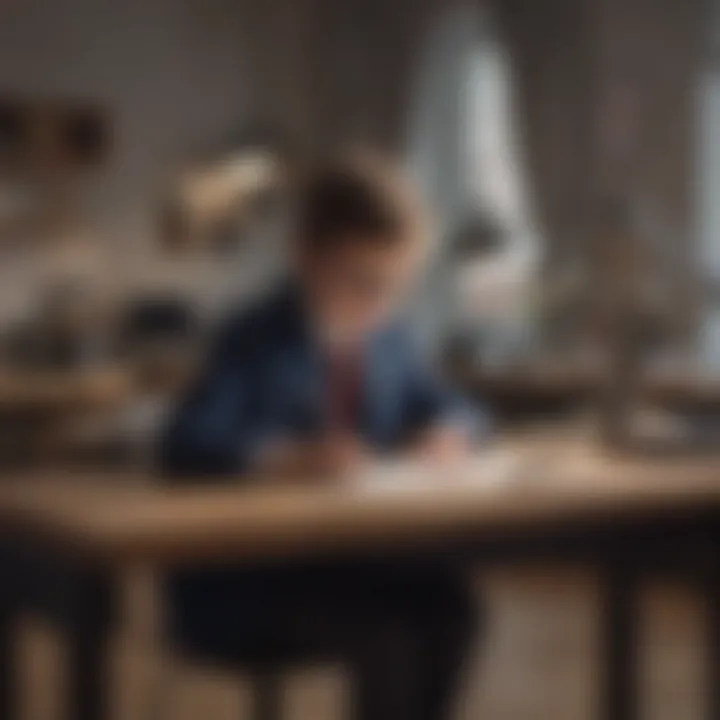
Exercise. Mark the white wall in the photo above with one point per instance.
(171, 73)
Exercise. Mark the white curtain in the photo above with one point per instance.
(464, 152)
(495, 168)
(436, 143)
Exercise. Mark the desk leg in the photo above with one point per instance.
(88, 651)
(713, 656)
(267, 692)
(8, 688)
(9, 697)
(620, 639)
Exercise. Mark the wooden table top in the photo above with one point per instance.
(122, 520)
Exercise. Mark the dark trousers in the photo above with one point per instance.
(402, 630)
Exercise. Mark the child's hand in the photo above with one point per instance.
(442, 444)
(339, 454)
(327, 457)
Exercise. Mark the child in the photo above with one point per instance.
(315, 381)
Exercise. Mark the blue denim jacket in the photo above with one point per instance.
(265, 381)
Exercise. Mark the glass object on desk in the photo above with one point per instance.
(691, 383)
(493, 303)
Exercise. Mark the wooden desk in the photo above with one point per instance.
(118, 519)
(563, 500)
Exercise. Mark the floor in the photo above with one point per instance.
(539, 661)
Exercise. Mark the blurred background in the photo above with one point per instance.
(570, 150)
(567, 148)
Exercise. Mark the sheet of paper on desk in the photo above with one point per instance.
(488, 469)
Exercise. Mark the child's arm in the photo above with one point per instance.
(212, 431)
(325, 458)
(443, 423)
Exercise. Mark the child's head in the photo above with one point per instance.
(361, 242)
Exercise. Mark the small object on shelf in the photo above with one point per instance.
(207, 206)
(160, 337)
(69, 329)
(51, 136)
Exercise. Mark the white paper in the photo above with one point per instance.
(488, 469)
